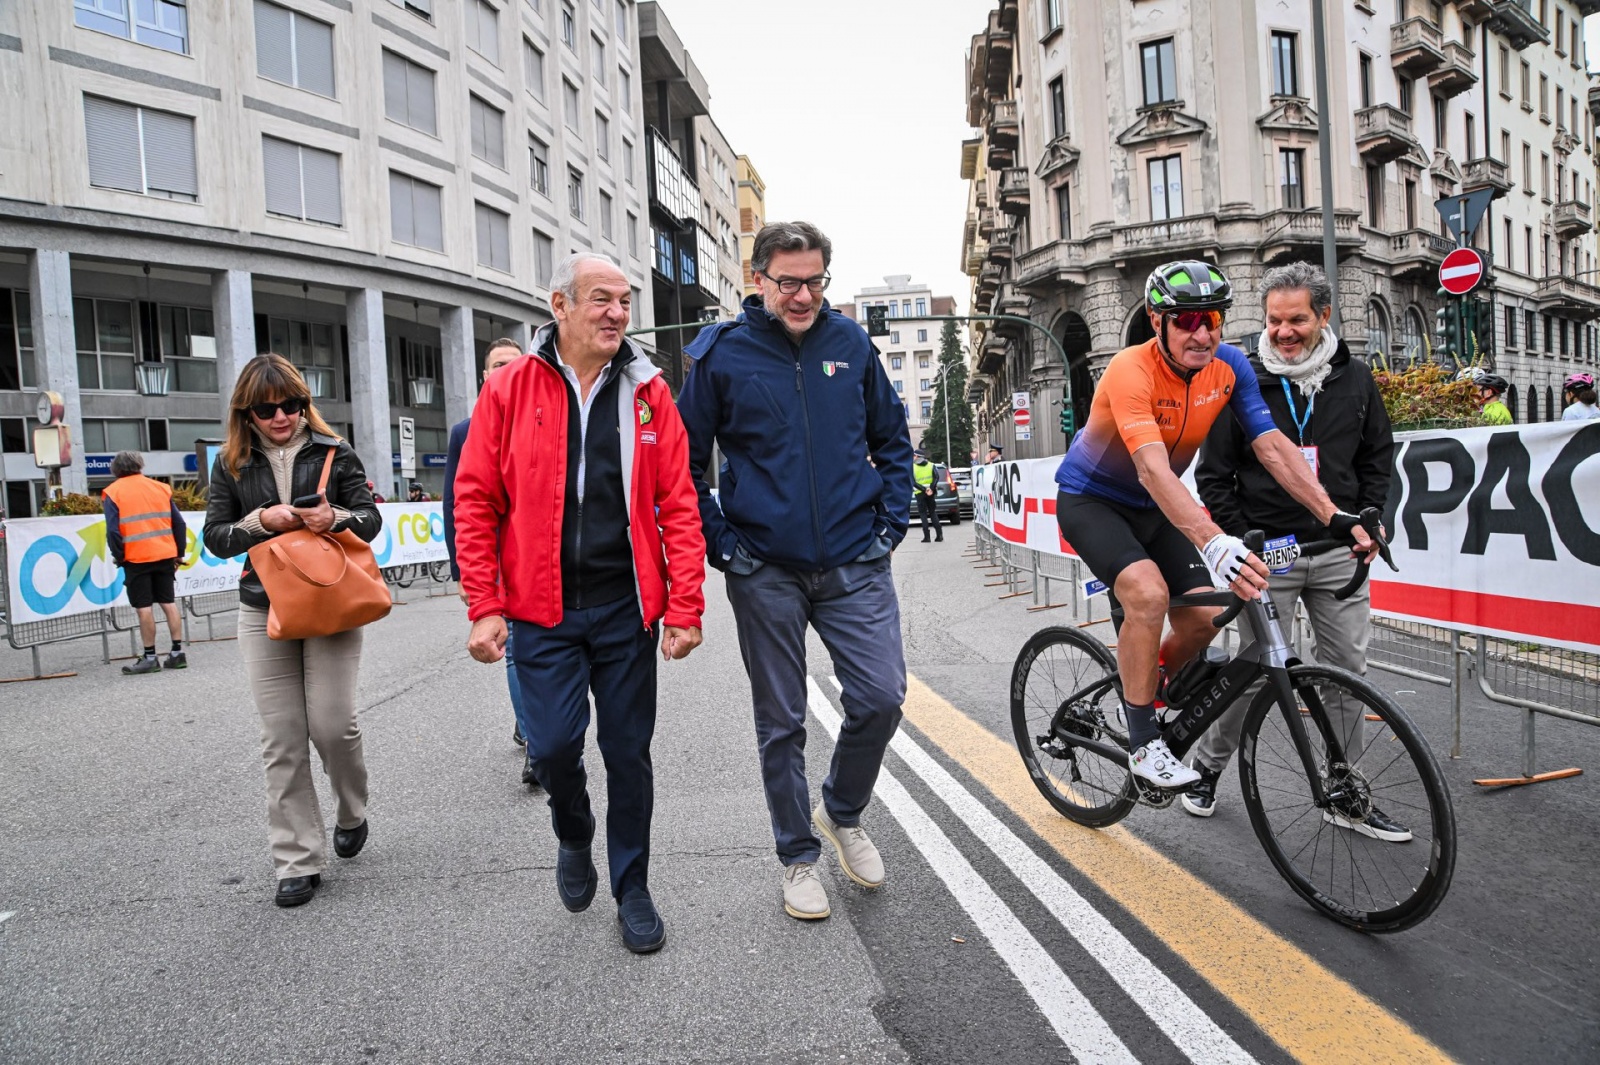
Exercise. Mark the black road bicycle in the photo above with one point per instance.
(1308, 784)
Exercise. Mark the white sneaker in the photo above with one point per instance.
(857, 856)
(1155, 764)
(803, 897)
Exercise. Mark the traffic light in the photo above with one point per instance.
(1448, 323)
(878, 321)
(1068, 421)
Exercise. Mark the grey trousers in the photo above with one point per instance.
(855, 611)
(305, 693)
(1340, 631)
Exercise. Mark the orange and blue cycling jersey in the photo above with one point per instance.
(1140, 400)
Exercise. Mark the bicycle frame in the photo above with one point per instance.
(1267, 654)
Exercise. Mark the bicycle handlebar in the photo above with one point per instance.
(1371, 520)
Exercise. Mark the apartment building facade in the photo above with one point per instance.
(752, 216)
(373, 188)
(1199, 137)
(693, 248)
(910, 353)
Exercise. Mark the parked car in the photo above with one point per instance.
(945, 500)
(962, 476)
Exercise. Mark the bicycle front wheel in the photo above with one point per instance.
(1063, 691)
(1378, 851)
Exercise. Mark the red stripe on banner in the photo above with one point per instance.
(1572, 622)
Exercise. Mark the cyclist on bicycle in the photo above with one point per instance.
(1125, 512)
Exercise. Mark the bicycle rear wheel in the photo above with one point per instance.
(1378, 854)
(1064, 688)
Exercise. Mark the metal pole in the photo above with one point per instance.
(1330, 254)
(949, 459)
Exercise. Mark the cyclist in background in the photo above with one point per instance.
(1578, 390)
(1490, 387)
(1125, 512)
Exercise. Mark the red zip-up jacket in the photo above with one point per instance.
(510, 491)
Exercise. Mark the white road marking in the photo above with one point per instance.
(1077, 1023)
(1194, 1033)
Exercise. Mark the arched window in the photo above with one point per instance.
(1377, 329)
(1511, 402)
(1412, 335)
(1550, 414)
(1533, 405)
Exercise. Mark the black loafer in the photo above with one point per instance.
(297, 890)
(347, 842)
(576, 878)
(642, 930)
(527, 775)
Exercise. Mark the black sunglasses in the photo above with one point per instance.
(267, 411)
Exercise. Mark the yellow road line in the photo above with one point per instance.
(1310, 1012)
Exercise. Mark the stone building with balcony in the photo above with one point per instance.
(1201, 140)
(693, 246)
(752, 216)
(373, 188)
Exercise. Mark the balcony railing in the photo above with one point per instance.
(1014, 190)
(1173, 235)
(1571, 218)
(1486, 173)
(1569, 295)
(1457, 74)
(1416, 46)
(1045, 264)
(1516, 20)
(1383, 133)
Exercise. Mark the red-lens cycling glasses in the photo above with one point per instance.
(1189, 321)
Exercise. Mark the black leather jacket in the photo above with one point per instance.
(230, 498)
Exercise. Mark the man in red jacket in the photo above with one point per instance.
(576, 518)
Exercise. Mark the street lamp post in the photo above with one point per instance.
(943, 377)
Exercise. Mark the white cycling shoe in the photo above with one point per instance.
(1155, 764)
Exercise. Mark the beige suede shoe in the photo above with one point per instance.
(803, 897)
(857, 856)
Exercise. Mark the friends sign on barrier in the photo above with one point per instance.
(1494, 530)
(60, 566)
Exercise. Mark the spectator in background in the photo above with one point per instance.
(147, 538)
(501, 352)
(996, 454)
(575, 517)
(1327, 403)
(416, 494)
(1579, 393)
(304, 690)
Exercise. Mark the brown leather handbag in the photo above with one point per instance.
(319, 583)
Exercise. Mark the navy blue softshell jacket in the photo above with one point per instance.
(797, 427)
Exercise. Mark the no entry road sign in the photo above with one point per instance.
(1461, 271)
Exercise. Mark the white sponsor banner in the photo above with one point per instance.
(1495, 530)
(60, 566)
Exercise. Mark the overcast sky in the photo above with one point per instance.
(853, 114)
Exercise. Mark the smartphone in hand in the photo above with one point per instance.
(307, 502)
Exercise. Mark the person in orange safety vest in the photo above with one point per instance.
(147, 538)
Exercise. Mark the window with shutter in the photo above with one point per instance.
(426, 202)
(488, 131)
(402, 224)
(483, 30)
(494, 238)
(606, 230)
(570, 105)
(324, 195)
(294, 49)
(112, 130)
(538, 165)
(408, 93)
(533, 69)
(313, 50)
(544, 253)
(280, 171)
(169, 163)
(274, 42)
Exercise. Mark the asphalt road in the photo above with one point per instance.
(134, 869)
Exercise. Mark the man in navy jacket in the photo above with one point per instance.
(500, 353)
(814, 494)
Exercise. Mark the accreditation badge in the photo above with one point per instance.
(1310, 455)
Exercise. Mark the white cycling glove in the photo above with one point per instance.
(1225, 557)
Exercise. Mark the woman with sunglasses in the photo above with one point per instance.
(263, 484)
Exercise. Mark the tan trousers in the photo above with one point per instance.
(305, 692)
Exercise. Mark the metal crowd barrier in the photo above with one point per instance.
(1535, 678)
(32, 635)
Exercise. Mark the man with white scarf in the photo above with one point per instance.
(1328, 405)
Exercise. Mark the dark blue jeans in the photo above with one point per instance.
(511, 678)
(609, 651)
(856, 613)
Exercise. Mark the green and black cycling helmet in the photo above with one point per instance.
(1187, 285)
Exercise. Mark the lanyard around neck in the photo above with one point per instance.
(1299, 422)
